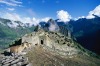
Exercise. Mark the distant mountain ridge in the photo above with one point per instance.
(13, 24)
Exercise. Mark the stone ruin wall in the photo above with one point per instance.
(49, 41)
(30, 39)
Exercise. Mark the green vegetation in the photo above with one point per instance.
(8, 34)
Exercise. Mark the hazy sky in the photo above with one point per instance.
(30, 9)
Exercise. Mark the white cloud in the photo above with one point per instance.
(17, 17)
(52, 27)
(90, 15)
(96, 11)
(45, 19)
(27, 20)
(10, 9)
(37, 21)
(11, 2)
(63, 16)
(15, 1)
(79, 17)
(12, 24)
(11, 16)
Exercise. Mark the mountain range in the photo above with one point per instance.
(84, 31)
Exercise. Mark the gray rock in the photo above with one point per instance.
(6, 64)
(14, 65)
(15, 61)
(8, 61)
(7, 57)
(19, 63)
(3, 58)
(3, 61)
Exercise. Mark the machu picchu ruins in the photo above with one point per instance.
(45, 47)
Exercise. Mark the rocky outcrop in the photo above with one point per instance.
(9, 58)
(18, 60)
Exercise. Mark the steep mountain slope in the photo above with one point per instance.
(59, 50)
(87, 33)
(10, 30)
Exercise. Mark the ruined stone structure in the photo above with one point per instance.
(34, 38)
(53, 41)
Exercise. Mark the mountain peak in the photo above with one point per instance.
(50, 20)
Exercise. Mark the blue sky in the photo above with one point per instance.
(74, 7)
(47, 8)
